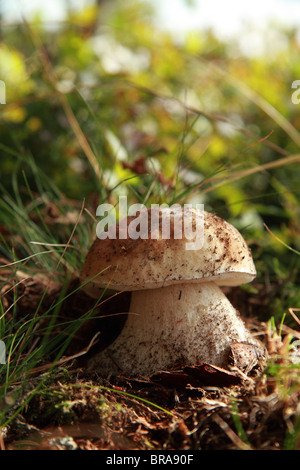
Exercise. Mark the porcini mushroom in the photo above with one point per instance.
(178, 314)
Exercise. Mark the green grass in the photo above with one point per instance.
(47, 209)
(37, 342)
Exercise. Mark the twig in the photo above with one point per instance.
(63, 360)
(2, 445)
(230, 433)
(292, 311)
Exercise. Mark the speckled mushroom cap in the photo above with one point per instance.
(152, 262)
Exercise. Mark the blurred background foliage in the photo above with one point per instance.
(107, 102)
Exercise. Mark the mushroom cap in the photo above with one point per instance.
(153, 261)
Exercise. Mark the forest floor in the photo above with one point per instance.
(198, 408)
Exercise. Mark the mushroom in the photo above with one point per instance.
(178, 314)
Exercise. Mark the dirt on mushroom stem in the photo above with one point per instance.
(172, 327)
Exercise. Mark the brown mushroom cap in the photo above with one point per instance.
(147, 263)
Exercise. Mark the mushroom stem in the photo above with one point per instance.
(174, 326)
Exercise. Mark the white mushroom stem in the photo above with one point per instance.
(174, 326)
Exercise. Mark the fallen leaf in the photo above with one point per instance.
(197, 376)
(246, 356)
(209, 374)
